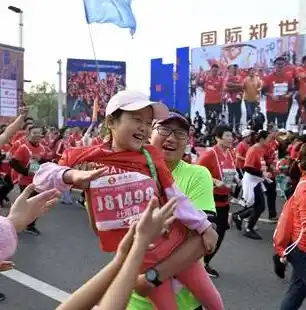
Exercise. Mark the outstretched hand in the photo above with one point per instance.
(155, 219)
(81, 179)
(6, 265)
(150, 226)
(25, 210)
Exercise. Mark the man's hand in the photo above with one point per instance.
(209, 240)
(23, 111)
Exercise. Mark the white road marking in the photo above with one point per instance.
(37, 285)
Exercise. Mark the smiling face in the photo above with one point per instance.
(226, 141)
(131, 130)
(171, 139)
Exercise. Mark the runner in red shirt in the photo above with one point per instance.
(219, 161)
(233, 96)
(278, 87)
(300, 78)
(255, 171)
(5, 171)
(26, 161)
(271, 158)
(213, 87)
(241, 150)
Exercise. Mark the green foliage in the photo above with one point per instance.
(42, 103)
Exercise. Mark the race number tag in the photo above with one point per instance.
(280, 89)
(34, 166)
(229, 177)
(119, 200)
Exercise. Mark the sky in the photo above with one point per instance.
(56, 29)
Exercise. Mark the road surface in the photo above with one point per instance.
(53, 265)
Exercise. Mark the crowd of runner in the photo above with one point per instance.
(226, 90)
(142, 151)
(84, 87)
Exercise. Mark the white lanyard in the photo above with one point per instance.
(292, 246)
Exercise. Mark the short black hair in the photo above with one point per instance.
(261, 134)
(220, 130)
(215, 66)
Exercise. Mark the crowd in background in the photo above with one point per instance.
(84, 87)
(226, 90)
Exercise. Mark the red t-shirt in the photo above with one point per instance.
(24, 154)
(295, 151)
(97, 141)
(277, 85)
(213, 89)
(254, 158)
(234, 94)
(241, 150)
(18, 135)
(218, 163)
(300, 74)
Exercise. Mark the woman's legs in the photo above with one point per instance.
(163, 297)
(196, 279)
(222, 227)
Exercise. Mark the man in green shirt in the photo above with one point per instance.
(171, 137)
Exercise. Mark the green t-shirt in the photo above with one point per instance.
(197, 184)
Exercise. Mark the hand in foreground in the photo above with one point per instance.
(25, 210)
(126, 243)
(209, 240)
(23, 110)
(6, 265)
(154, 220)
(218, 183)
(81, 179)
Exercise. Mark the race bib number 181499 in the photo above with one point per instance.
(120, 199)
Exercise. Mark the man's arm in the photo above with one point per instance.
(12, 128)
(188, 253)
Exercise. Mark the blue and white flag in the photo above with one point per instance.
(117, 12)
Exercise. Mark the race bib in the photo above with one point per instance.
(34, 166)
(280, 89)
(119, 200)
(229, 176)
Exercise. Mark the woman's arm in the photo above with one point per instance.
(126, 278)
(89, 295)
(126, 262)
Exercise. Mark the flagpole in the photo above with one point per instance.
(95, 58)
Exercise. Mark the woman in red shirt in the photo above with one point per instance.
(296, 293)
(219, 161)
(254, 176)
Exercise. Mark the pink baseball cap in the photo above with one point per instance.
(127, 100)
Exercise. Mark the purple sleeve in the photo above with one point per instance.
(8, 239)
(191, 217)
(50, 176)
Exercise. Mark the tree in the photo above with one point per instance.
(42, 103)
